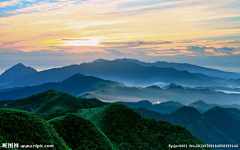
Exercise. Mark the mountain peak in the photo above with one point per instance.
(173, 86)
(99, 60)
(190, 114)
(186, 109)
(170, 103)
(144, 102)
(77, 75)
(15, 72)
(19, 65)
(199, 102)
(73, 77)
(153, 87)
(215, 110)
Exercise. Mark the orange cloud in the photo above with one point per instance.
(163, 26)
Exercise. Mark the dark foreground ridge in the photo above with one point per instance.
(17, 126)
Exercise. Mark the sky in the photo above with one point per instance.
(52, 33)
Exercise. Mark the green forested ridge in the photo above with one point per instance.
(80, 133)
(128, 130)
(50, 104)
(17, 126)
(216, 126)
(75, 123)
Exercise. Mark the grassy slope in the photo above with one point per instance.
(17, 126)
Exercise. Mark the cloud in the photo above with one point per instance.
(212, 51)
(174, 48)
(61, 0)
(229, 42)
(14, 2)
(136, 43)
(187, 41)
(39, 7)
(9, 3)
(129, 27)
(115, 52)
(8, 43)
(73, 39)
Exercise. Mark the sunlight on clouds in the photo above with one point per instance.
(9, 3)
(92, 23)
(81, 42)
(40, 8)
(13, 2)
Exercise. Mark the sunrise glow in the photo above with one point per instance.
(80, 42)
(145, 29)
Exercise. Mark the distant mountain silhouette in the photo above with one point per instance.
(188, 67)
(15, 72)
(173, 86)
(168, 107)
(121, 71)
(171, 106)
(171, 92)
(163, 108)
(153, 87)
(201, 106)
(74, 85)
(217, 125)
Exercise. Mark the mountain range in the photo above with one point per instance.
(163, 108)
(130, 72)
(171, 106)
(74, 85)
(105, 90)
(217, 125)
(188, 67)
(155, 94)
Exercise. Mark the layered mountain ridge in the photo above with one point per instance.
(132, 72)
(217, 125)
